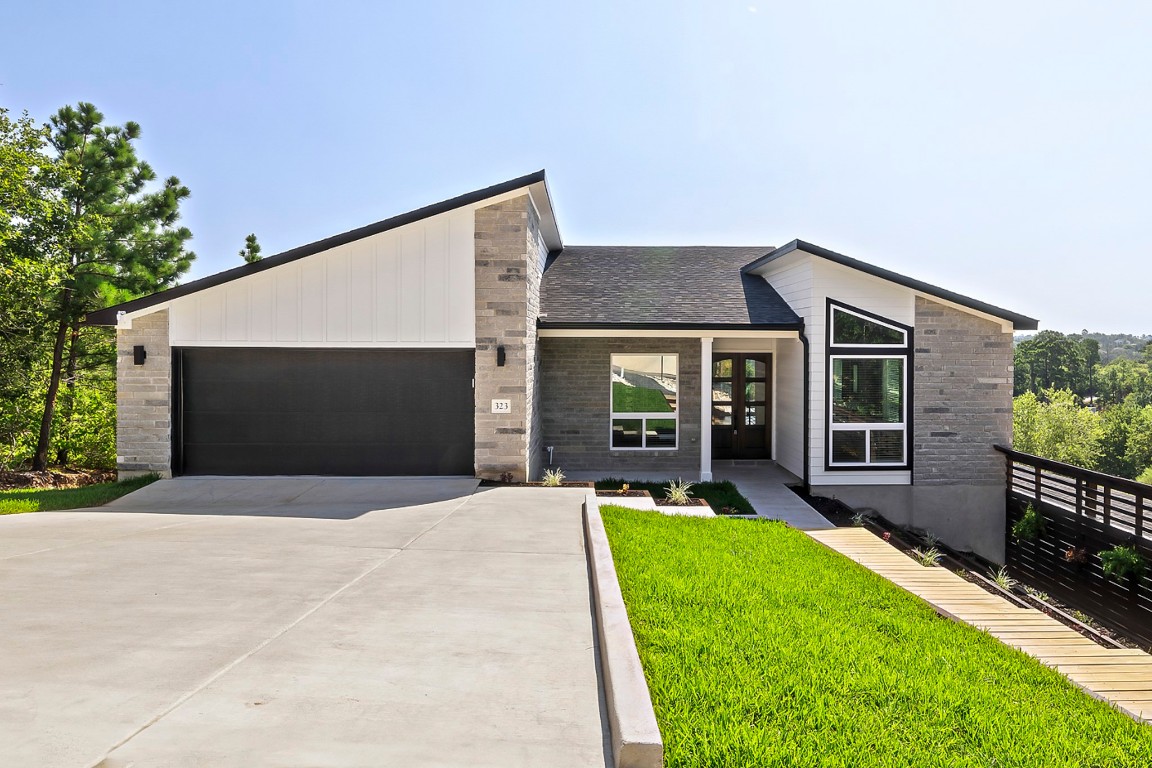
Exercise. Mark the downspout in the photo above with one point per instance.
(807, 409)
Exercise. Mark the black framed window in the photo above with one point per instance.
(869, 381)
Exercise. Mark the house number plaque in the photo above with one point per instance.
(501, 406)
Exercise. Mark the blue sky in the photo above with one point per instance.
(997, 149)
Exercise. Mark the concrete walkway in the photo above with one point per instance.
(764, 486)
(1121, 677)
(301, 622)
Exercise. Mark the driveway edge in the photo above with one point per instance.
(636, 741)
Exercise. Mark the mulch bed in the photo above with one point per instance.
(837, 512)
(55, 478)
(633, 494)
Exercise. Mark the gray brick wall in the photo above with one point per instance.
(507, 306)
(576, 409)
(144, 398)
(963, 397)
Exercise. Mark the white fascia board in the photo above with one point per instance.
(540, 199)
(648, 333)
(1005, 325)
(124, 319)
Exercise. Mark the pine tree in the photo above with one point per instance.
(251, 250)
(118, 236)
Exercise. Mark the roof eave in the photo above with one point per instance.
(1019, 322)
(535, 182)
(669, 326)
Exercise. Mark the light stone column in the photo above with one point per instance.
(705, 409)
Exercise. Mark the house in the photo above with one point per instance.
(466, 338)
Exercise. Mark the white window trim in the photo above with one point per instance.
(868, 427)
(613, 415)
(832, 331)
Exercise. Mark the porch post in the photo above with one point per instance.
(705, 409)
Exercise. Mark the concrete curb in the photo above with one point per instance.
(636, 741)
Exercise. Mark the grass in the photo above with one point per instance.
(762, 647)
(627, 399)
(719, 494)
(52, 499)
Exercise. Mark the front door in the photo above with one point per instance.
(742, 406)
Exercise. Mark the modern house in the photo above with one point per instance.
(465, 338)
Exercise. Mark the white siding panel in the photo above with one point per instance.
(388, 288)
(790, 406)
(336, 304)
(412, 286)
(411, 296)
(262, 309)
(287, 305)
(236, 311)
(436, 282)
(361, 292)
(312, 299)
(461, 277)
(211, 314)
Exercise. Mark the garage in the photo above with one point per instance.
(294, 411)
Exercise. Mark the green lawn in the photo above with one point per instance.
(628, 399)
(718, 494)
(49, 499)
(762, 647)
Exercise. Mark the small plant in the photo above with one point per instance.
(927, 557)
(624, 489)
(1001, 578)
(1121, 562)
(506, 477)
(678, 492)
(1030, 526)
(1043, 597)
(553, 478)
(931, 538)
(859, 519)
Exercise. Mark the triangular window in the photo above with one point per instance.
(852, 329)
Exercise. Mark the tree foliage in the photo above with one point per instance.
(251, 250)
(1057, 427)
(84, 223)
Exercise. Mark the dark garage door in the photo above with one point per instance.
(323, 412)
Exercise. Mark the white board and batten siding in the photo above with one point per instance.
(413, 286)
(806, 282)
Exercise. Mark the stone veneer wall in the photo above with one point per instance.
(963, 397)
(576, 410)
(509, 256)
(144, 398)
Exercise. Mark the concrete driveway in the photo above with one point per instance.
(300, 622)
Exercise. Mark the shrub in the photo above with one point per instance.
(553, 478)
(1120, 562)
(678, 492)
(927, 557)
(1030, 526)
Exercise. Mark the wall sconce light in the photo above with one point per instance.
(139, 355)
(500, 356)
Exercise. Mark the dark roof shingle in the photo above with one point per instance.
(637, 286)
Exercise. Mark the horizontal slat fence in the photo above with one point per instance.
(1084, 513)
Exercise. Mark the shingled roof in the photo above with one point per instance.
(660, 287)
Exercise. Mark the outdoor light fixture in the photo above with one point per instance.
(500, 356)
(139, 355)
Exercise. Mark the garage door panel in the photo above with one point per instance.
(346, 412)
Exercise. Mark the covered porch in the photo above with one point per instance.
(659, 404)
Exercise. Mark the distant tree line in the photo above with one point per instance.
(1073, 405)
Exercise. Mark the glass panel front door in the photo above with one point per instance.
(742, 406)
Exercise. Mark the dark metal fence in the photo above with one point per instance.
(1084, 513)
